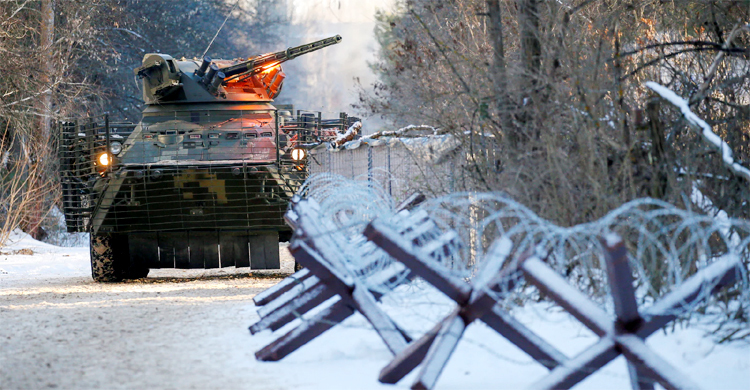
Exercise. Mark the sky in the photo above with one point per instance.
(337, 11)
(326, 81)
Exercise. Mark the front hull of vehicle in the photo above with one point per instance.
(189, 215)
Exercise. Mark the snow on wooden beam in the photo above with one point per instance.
(285, 298)
(572, 300)
(624, 334)
(418, 260)
(578, 368)
(640, 355)
(327, 275)
(441, 350)
(474, 301)
(526, 340)
(332, 275)
(285, 285)
(309, 329)
(714, 277)
(406, 361)
(294, 306)
(411, 201)
(386, 328)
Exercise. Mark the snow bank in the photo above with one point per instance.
(351, 355)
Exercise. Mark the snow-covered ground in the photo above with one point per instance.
(188, 330)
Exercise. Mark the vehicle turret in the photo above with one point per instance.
(255, 79)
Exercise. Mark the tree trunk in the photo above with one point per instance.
(37, 209)
(531, 62)
(46, 35)
(531, 47)
(659, 179)
(499, 71)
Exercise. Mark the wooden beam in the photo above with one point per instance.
(417, 261)
(280, 288)
(306, 331)
(451, 330)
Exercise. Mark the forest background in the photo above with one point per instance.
(547, 98)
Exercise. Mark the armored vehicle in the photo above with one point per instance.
(203, 180)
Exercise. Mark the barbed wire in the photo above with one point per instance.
(666, 244)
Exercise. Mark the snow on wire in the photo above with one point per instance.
(665, 244)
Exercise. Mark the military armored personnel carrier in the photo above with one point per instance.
(203, 180)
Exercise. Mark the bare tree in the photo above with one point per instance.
(574, 131)
(66, 59)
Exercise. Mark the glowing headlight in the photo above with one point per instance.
(115, 147)
(298, 154)
(104, 159)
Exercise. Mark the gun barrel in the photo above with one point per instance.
(258, 63)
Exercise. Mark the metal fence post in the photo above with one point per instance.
(388, 168)
(342, 118)
(276, 130)
(107, 150)
(369, 163)
(452, 182)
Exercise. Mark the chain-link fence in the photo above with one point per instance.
(401, 165)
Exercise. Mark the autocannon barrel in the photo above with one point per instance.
(261, 62)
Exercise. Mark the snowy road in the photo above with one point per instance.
(174, 330)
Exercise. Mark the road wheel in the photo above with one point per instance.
(103, 265)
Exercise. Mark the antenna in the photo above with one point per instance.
(222, 26)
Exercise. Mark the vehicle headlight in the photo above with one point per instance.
(115, 147)
(298, 154)
(104, 159)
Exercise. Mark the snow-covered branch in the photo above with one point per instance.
(349, 135)
(26, 98)
(703, 128)
(406, 132)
